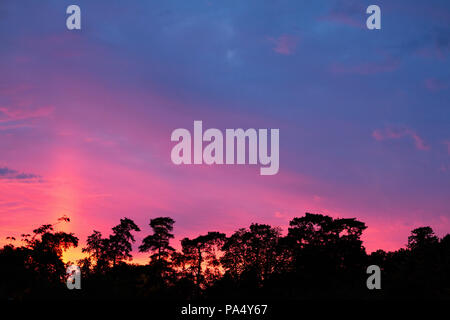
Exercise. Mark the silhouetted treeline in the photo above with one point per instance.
(319, 257)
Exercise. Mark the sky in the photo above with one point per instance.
(86, 115)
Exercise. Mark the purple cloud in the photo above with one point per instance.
(397, 133)
(434, 84)
(348, 14)
(285, 44)
(11, 174)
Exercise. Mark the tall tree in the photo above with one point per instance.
(158, 242)
(203, 252)
(421, 238)
(119, 244)
(45, 248)
(321, 230)
(253, 251)
(96, 247)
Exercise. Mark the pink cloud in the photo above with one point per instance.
(433, 84)
(347, 14)
(279, 215)
(285, 44)
(342, 18)
(22, 105)
(397, 133)
(12, 114)
(317, 198)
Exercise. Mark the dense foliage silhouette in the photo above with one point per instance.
(319, 257)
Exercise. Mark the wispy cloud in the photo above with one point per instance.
(342, 18)
(397, 133)
(15, 114)
(348, 14)
(11, 174)
(434, 84)
(285, 44)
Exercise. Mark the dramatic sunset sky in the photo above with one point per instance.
(86, 116)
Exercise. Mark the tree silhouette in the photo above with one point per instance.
(38, 263)
(326, 251)
(320, 257)
(158, 242)
(46, 247)
(203, 249)
(252, 251)
(119, 245)
(97, 248)
(422, 238)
